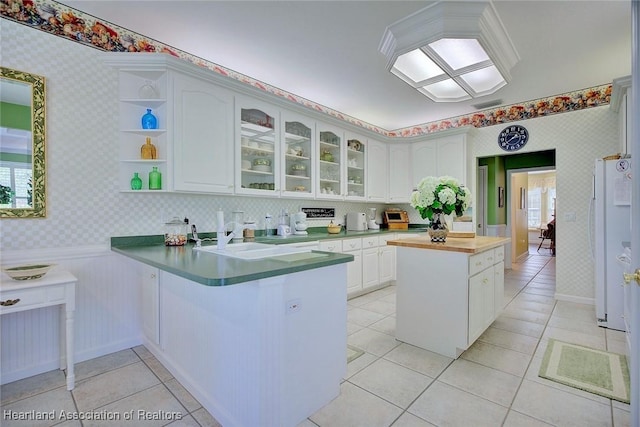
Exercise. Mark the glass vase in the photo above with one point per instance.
(155, 179)
(149, 121)
(438, 229)
(136, 182)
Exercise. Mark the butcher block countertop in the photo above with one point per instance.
(453, 244)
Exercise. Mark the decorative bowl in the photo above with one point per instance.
(333, 228)
(28, 272)
(262, 162)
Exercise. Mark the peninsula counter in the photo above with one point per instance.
(448, 293)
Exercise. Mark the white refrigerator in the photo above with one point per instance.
(612, 227)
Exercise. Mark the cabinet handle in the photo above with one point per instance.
(9, 302)
(153, 275)
(490, 258)
(478, 264)
(484, 281)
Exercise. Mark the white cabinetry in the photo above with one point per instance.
(150, 303)
(258, 147)
(354, 269)
(448, 155)
(330, 162)
(356, 149)
(436, 287)
(399, 173)
(134, 103)
(202, 135)
(298, 155)
(377, 171)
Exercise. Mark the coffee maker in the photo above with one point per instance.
(371, 224)
(299, 224)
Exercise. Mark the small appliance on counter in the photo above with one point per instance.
(396, 219)
(356, 221)
(299, 223)
(371, 225)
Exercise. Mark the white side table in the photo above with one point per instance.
(57, 287)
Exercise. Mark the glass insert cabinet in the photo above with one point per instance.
(298, 155)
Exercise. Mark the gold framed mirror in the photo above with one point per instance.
(22, 145)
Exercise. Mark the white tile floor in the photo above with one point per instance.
(494, 383)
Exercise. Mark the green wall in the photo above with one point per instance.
(15, 116)
(497, 168)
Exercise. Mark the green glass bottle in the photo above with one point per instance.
(136, 182)
(155, 179)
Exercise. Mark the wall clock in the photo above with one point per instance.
(513, 138)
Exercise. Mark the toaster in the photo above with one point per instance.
(356, 221)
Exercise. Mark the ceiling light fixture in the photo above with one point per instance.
(451, 50)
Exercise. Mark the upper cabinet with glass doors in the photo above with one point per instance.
(330, 161)
(355, 167)
(298, 155)
(258, 148)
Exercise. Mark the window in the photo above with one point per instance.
(17, 176)
(535, 208)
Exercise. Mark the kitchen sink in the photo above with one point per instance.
(252, 251)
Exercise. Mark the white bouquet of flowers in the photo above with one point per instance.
(440, 195)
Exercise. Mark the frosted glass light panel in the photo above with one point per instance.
(355, 168)
(447, 90)
(486, 80)
(257, 150)
(329, 153)
(297, 158)
(459, 53)
(416, 66)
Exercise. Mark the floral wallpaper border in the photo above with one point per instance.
(63, 21)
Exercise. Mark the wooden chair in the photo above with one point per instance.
(549, 233)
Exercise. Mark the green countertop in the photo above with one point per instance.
(215, 270)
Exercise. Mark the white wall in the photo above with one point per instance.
(579, 138)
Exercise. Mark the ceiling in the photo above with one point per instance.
(327, 51)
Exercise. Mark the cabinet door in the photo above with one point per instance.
(297, 155)
(203, 136)
(370, 261)
(330, 160)
(354, 272)
(377, 172)
(399, 173)
(481, 303)
(498, 285)
(451, 157)
(423, 161)
(150, 303)
(387, 268)
(258, 145)
(356, 149)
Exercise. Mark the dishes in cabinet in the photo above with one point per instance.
(354, 144)
(299, 169)
(326, 156)
(262, 165)
(246, 164)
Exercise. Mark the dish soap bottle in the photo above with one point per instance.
(149, 121)
(148, 151)
(155, 179)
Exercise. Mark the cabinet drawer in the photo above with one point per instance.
(499, 254)
(369, 242)
(351, 245)
(490, 257)
(33, 297)
(479, 262)
(331, 245)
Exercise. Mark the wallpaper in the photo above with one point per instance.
(68, 23)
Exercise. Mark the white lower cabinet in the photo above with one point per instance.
(354, 269)
(486, 290)
(150, 303)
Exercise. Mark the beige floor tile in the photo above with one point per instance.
(615, 346)
(106, 363)
(390, 298)
(577, 325)
(423, 361)
(353, 327)
(516, 419)
(518, 326)
(53, 406)
(509, 361)
(391, 382)
(357, 408)
(410, 420)
(572, 310)
(536, 298)
(594, 341)
(560, 408)
(142, 352)
(488, 383)
(615, 335)
(379, 306)
(386, 325)
(621, 418)
(444, 405)
(184, 397)
(158, 369)
(105, 388)
(529, 316)
(510, 340)
(187, 421)
(306, 423)
(359, 364)
(155, 406)
(363, 317)
(205, 419)
(373, 342)
(31, 386)
(540, 291)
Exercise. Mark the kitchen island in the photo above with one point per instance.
(448, 293)
(258, 343)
